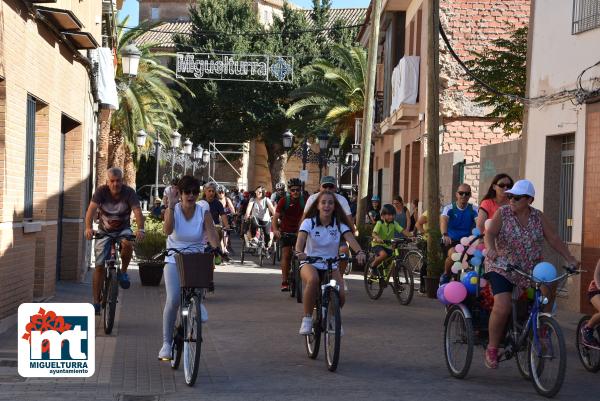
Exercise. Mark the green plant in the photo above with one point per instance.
(364, 235)
(154, 240)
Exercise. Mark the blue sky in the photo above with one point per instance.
(131, 7)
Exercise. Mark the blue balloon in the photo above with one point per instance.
(470, 281)
(440, 295)
(476, 232)
(544, 271)
(475, 261)
(478, 254)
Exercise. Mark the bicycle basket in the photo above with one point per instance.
(195, 269)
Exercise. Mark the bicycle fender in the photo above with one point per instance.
(465, 310)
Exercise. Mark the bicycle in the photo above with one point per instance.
(109, 291)
(391, 267)
(258, 248)
(187, 331)
(529, 339)
(588, 355)
(327, 317)
(294, 280)
(276, 253)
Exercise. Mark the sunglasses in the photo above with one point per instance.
(191, 191)
(328, 186)
(294, 189)
(504, 186)
(461, 193)
(516, 197)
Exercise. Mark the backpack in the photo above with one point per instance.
(288, 201)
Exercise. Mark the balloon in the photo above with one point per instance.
(484, 252)
(476, 232)
(464, 241)
(544, 271)
(475, 261)
(455, 292)
(456, 267)
(455, 257)
(440, 294)
(487, 224)
(471, 250)
(471, 238)
(470, 282)
(478, 253)
(483, 282)
(475, 243)
(459, 248)
(481, 247)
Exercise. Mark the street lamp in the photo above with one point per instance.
(335, 147)
(130, 60)
(187, 147)
(157, 146)
(205, 156)
(288, 139)
(175, 142)
(323, 139)
(140, 138)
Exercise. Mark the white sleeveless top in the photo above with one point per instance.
(188, 233)
(260, 210)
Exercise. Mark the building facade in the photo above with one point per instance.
(562, 131)
(401, 100)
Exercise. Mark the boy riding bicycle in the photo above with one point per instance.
(383, 232)
(587, 332)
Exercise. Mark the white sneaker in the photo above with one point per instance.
(203, 314)
(165, 352)
(306, 327)
(346, 288)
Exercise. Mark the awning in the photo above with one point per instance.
(64, 20)
(81, 40)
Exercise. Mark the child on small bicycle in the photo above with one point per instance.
(385, 230)
(587, 332)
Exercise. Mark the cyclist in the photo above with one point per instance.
(587, 332)
(279, 193)
(493, 199)
(289, 212)
(229, 212)
(515, 236)
(456, 221)
(374, 214)
(115, 202)
(320, 233)
(187, 224)
(385, 230)
(261, 209)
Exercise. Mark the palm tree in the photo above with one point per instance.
(335, 96)
(148, 103)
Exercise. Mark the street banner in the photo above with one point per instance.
(235, 67)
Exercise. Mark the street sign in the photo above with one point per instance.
(235, 67)
(303, 175)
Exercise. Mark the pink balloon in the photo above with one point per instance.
(481, 247)
(484, 252)
(464, 241)
(471, 250)
(455, 292)
(465, 264)
(459, 248)
(483, 282)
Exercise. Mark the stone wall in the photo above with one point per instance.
(499, 158)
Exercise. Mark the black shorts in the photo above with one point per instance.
(592, 294)
(288, 240)
(378, 248)
(499, 283)
(448, 247)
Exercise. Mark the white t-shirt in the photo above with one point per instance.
(447, 209)
(342, 201)
(260, 210)
(188, 233)
(322, 241)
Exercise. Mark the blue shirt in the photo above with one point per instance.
(460, 221)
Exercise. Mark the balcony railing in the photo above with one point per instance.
(586, 15)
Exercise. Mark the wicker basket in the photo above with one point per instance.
(195, 269)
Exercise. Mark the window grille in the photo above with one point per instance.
(567, 164)
(586, 15)
(29, 157)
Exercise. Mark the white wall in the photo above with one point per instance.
(557, 58)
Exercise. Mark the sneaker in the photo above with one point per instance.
(374, 272)
(444, 279)
(97, 309)
(203, 314)
(491, 358)
(285, 286)
(306, 327)
(165, 352)
(124, 280)
(587, 336)
(346, 288)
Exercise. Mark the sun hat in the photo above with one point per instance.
(376, 198)
(328, 180)
(522, 187)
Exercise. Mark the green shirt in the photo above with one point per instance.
(386, 232)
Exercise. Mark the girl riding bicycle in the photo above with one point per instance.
(587, 332)
(323, 225)
(187, 224)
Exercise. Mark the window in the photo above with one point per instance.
(586, 15)
(565, 211)
(29, 157)
(155, 13)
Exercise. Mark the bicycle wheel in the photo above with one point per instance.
(177, 343)
(522, 354)
(548, 358)
(414, 261)
(292, 277)
(243, 251)
(458, 342)
(373, 285)
(312, 341)
(110, 308)
(404, 283)
(589, 357)
(332, 334)
(192, 341)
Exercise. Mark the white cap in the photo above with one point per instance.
(522, 187)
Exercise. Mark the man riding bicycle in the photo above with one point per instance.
(115, 202)
(279, 193)
(289, 211)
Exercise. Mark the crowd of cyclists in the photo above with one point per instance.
(323, 225)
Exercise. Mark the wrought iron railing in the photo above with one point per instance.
(586, 15)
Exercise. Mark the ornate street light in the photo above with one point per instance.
(323, 139)
(197, 155)
(175, 139)
(140, 138)
(335, 147)
(205, 156)
(288, 139)
(187, 147)
(355, 149)
(130, 60)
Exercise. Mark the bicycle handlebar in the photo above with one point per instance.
(570, 272)
(128, 237)
(171, 251)
(329, 261)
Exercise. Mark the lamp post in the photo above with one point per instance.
(323, 140)
(186, 153)
(175, 142)
(130, 61)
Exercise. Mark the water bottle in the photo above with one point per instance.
(218, 259)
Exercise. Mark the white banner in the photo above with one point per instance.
(235, 67)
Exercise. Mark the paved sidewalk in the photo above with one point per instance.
(251, 351)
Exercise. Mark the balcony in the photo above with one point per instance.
(404, 115)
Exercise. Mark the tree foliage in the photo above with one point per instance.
(503, 66)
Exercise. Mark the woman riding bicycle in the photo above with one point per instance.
(229, 212)
(187, 223)
(319, 236)
(261, 209)
(515, 236)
